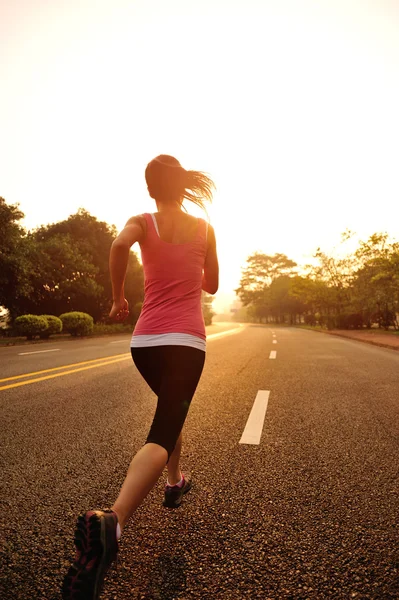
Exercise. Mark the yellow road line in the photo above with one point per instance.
(100, 362)
(85, 362)
(13, 385)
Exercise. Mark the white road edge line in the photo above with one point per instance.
(253, 429)
(38, 351)
(209, 337)
(228, 332)
(273, 354)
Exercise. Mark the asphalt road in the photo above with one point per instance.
(309, 512)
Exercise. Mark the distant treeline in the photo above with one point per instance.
(359, 290)
(63, 267)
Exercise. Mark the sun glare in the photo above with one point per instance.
(292, 111)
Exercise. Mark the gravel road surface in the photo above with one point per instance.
(310, 512)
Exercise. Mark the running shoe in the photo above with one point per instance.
(175, 493)
(96, 548)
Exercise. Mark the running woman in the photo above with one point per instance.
(168, 348)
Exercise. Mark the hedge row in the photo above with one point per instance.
(75, 323)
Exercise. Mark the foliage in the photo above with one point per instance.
(110, 328)
(376, 285)
(61, 277)
(77, 323)
(14, 268)
(74, 275)
(30, 325)
(258, 288)
(134, 288)
(207, 308)
(61, 267)
(260, 272)
(135, 312)
(54, 325)
(347, 292)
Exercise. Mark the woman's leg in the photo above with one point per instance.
(182, 368)
(140, 479)
(173, 373)
(143, 473)
(174, 472)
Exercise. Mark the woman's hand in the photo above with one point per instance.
(119, 310)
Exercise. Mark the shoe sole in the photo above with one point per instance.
(77, 570)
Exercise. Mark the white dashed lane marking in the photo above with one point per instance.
(38, 351)
(253, 429)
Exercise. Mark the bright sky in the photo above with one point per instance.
(290, 105)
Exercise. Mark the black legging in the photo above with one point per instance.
(173, 373)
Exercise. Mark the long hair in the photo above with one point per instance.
(168, 180)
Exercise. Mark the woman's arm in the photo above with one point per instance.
(118, 260)
(210, 278)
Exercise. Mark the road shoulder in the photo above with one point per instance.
(385, 340)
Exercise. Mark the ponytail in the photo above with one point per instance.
(198, 188)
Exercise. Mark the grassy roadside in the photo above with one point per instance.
(372, 330)
(98, 331)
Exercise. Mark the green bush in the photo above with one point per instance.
(77, 323)
(54, 325)
(30, 325)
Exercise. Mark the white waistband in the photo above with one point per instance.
(168, 339)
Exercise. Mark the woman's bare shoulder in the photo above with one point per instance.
(138, 220)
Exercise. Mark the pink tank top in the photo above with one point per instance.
(172, 284)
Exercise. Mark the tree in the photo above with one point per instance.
(376, 283)
(259, 274)
(61, 267)
(343, 291)
(134, 287)
(14, 266)
(316, 298)
(62, 279)
(337, 273)
(280, 298)
(76, 273)
(262, 269)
